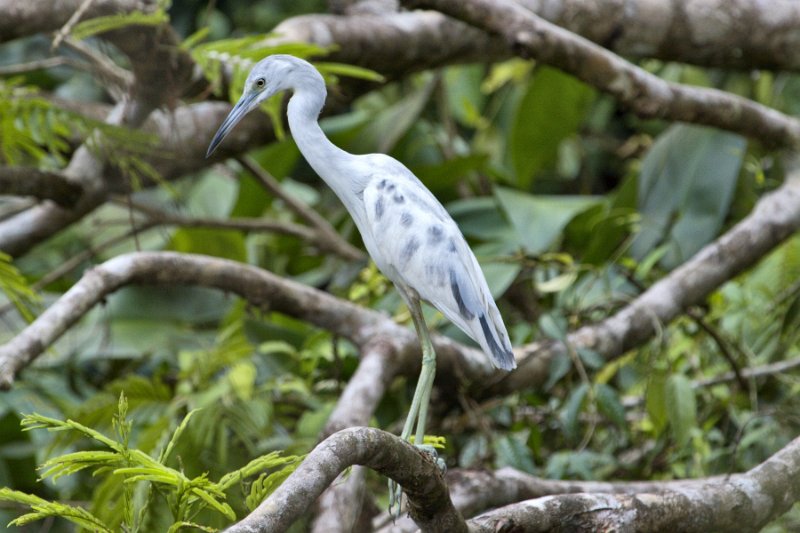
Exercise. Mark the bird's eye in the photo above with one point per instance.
(260, 83)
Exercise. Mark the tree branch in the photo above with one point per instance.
(428, 500)
(643, 93)
(741, 502)
(41, 184)
(325, 232)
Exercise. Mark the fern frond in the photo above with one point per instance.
(42, 509)
(96, 25)
(16, 288)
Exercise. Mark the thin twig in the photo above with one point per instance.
(326, 231)
(73, 20)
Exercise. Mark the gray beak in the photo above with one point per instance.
(238, 112)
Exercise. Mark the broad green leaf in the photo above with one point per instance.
(590, 358)
(554, 326)
(539, 220)
(572, 408)
(551, 110)
(228, 244)
(444, 175)
(686, 186)
(655, 400)
(383, 132)
(559, 366)
(681, 407)
(512, 450)
(610, 405)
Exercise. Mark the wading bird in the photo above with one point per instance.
(407, 232)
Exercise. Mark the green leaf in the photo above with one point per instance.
(16, 288)
(590, 358)
(383, 132)
(551, 110)
(554, 326)
(512, 450)
(352, 71)
(539, 220)
(572, 408)
(685, 190)
(221, 507)
(610, 405)
(681, 407)
(656, 402)
(228, 244)
(559, 366)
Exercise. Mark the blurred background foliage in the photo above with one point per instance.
(572, 206)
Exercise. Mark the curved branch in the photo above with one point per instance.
(428, 500)
(742, 502)
(259, 287)
(645, 94)
(713, 33)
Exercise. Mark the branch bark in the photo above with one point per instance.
(643, 93)
(41, 184)
(428, 500)
(742, 502)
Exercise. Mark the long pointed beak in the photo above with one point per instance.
(238, 112)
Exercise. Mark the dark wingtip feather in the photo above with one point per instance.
(501, 357)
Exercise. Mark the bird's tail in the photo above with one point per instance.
(494, 340)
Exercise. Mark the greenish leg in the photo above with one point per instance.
(419, 404)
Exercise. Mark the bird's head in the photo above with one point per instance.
(271, 75)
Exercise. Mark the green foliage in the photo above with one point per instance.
(136, 471)
(685, 189)
(17, 289)
(97, 25)
(572, 205)
(535, 136)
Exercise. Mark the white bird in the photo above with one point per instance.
(407, 232)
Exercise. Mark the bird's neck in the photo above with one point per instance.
(325, 158)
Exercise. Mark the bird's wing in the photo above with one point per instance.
(417, 245)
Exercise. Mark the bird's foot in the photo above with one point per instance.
(396, 491)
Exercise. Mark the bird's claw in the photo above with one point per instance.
(396, 491)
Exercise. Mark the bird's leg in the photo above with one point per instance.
(418, 413)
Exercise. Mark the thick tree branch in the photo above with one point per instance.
(741, 502)
(713, 33)
(645, 94)
(259, 287)
(428, 500)
(41, 184)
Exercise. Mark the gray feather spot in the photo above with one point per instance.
(435, 234)
(462, 307)
(452, 246)
(382, 184)
(390, 187)
(379, 208)
(409, 250)
(399, 198)
(406, 219)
